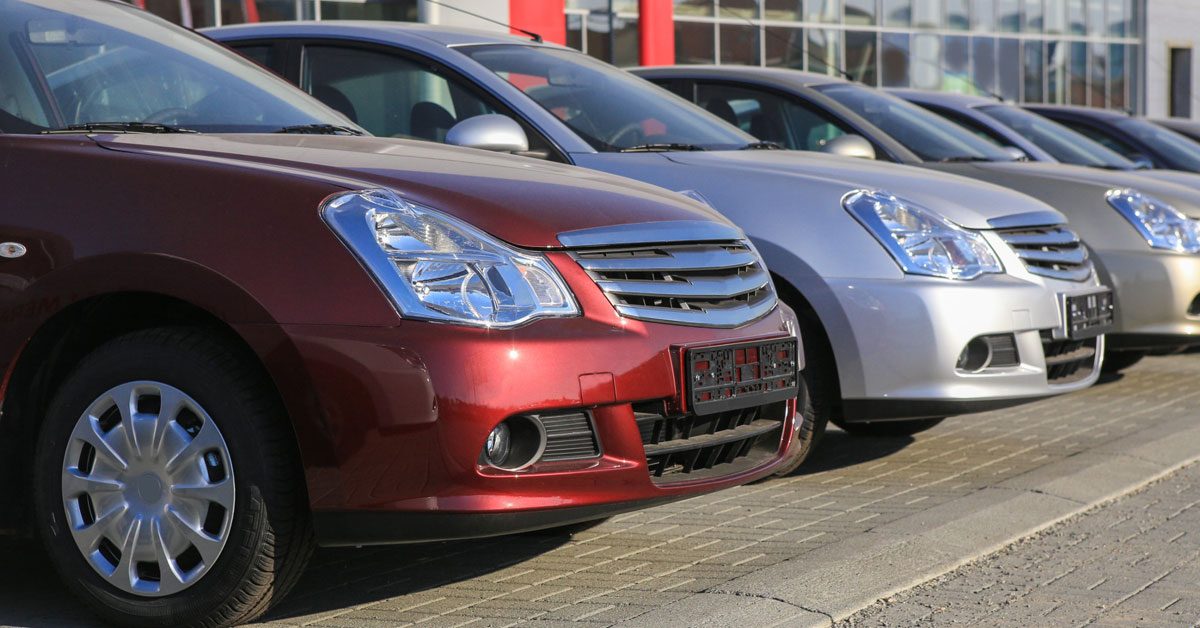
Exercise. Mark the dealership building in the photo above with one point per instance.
(1125, 54)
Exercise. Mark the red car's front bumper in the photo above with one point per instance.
(398, 418)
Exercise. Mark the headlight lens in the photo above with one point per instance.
(1163, 226)
(922, 242)
(436, 267)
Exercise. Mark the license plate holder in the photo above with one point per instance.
(1088, 315)
(741, 375)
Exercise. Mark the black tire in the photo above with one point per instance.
(805, 438)
(1117, 361)
(906, 427)
(270, 535)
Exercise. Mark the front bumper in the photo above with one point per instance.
(1155, 292)
(909, 333)
(404, 413)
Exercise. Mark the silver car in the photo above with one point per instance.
(1145, 244)
(921, 294)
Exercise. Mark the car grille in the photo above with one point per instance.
(569, 437)
(1052, 251)
(711, 284)
(1068, 361)
(686, 447)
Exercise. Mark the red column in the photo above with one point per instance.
(544, 17)
(656, 32)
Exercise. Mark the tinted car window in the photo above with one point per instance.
(769, 116)
(924, 133)
(387, 94)
(1061, 142)
(107, 62)
(1105, 139)
(1182, 152)
(609, 109)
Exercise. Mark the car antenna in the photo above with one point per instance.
(532, 35)
(846, 75)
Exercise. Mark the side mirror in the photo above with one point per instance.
(1016, 153)
(490, 131)
(1141, 162)
(850, 146)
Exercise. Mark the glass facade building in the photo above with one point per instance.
(1083, 52)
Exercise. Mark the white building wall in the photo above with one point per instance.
(494, 9)
(1170, 24)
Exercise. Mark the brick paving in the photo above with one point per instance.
(641, 561)
(1134, 562)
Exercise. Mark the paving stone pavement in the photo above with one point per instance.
(1133, 562)
(688, 552)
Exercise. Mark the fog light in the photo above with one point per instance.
(975, 356)
(499, 444)
(514, 444)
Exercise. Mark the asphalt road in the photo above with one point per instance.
(867, 519)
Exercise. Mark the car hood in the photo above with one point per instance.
(1181, 194)
(526, 202)
(964, 201)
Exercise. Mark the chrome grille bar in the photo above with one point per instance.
(707, 283)
(1051, 251)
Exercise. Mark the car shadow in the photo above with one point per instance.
(839, 449)
(336, 578)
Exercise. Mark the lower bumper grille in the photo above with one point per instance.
(1068, 361)
(569, 437)
(681, 448)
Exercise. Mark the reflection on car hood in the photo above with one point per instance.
(964, 201)
(1183, 192)
(524, 201)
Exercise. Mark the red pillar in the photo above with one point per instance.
(656, 32)
(544, 17)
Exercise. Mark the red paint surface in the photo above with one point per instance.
(656, 32)
(544, 17)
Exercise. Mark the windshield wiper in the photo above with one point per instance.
(120, 127)
(320, 129)
(659, 148)
(762, 146)
(962, 159)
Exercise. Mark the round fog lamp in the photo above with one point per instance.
(499, 444)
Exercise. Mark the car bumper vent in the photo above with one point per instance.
(569, 437)
(1068, 361)
(1052, 251)
(687, 447)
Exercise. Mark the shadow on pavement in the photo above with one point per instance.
(839, 449)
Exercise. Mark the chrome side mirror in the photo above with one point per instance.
(1016, 153)
(490, 131)
(850, 146)
(1141, 162)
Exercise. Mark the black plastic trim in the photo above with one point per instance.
(869, 410)
(1150, 342)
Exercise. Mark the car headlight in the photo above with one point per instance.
(922, 242)
(435, 267)
(1163, 226)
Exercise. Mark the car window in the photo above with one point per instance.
(769, 116)
(262, 54)
(929, 136)
(111, 63)
(387, 94)
(980, 130)
(1104, 138)
(1182, 152)
(1063, 144)
(608, 108)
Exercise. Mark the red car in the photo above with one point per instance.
(233, 328)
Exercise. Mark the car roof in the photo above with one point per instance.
(391, 32)
(950, 99)
(1089, 112)
(777, 76)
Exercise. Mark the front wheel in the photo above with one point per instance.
(167, 487)
(907, 427)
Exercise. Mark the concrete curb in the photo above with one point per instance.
(833, 582)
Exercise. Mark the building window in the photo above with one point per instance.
(1181, 83)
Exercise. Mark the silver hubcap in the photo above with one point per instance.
(148, 488)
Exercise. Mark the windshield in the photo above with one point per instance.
(1063, 144)
(1182, 152)
(930, 136)
(608, 108)
(81, 62)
